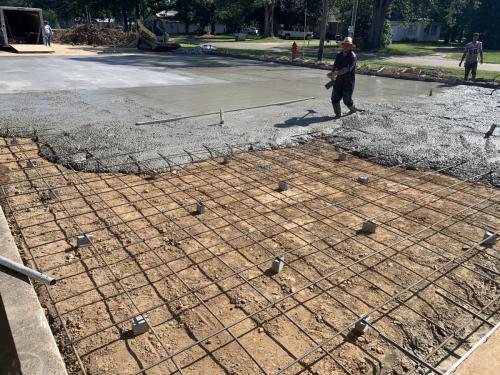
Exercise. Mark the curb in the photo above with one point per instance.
(324, 66)
(32, 349)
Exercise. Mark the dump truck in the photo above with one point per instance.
(151, 36)
(21, 29)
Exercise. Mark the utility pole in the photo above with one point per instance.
(305, 26)
(324, 22)
(354, 14)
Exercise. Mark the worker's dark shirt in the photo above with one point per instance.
(345, 81)
(158, 30)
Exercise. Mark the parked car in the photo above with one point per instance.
(250, 31)
(296, 34)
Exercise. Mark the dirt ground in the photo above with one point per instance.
(71, 50)
(204, 283)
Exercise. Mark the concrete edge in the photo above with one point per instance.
(35, 345)
(323, 66)
(477, 345)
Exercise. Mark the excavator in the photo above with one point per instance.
(152, 36)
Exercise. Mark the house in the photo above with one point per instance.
(415, 31)
(172, 26)
(177, 27)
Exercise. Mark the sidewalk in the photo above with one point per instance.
(437, 60)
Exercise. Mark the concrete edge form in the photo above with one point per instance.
(456, 368)
(36, 349)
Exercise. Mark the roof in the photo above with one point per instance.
(167, 13)
(22, 8)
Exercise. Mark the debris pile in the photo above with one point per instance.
(199, 50)
(93, 35)
(402, 72)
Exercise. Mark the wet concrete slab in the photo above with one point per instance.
(96, 101)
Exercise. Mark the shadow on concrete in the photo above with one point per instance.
(168, 61)
(14, 274)
(9, 360)
(304, 120)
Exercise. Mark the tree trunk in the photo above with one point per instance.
(137, 10)
(271, 19)
(125, 19)
(266, 21)
(380, 8)
(324, 22)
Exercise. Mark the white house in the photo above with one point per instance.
(173, 27)
(177, 27)
(415, 31)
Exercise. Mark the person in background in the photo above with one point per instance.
(47, 33)
(471, 52)
(344, 74)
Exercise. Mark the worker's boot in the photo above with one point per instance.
(352, 109)
(337, 110)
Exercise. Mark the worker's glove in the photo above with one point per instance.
(460, 63)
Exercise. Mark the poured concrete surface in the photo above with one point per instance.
(97, 100)
(484, 360)
(36, 350)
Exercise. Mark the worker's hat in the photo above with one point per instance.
(347, 40)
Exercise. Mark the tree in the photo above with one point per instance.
(379, 16)
(486, 21)
(324, 22)
(201, 12)
(268, 6)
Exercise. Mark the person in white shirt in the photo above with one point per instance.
(471, 52)
(47, 33)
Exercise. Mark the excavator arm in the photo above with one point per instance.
(147, 39)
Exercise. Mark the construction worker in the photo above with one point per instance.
(47, 33)
(295, 51)
(471, 52)
(344, 73)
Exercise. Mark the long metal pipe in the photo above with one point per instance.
(228, 111)
(6, 262)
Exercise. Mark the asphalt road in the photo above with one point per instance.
(87, 107)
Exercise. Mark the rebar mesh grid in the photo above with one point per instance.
(204, 281)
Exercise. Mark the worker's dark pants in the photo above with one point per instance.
(470, 67)
(345, 95)
(46, 40)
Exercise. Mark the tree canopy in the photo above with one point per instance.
(458, 18)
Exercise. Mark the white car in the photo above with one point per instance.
(207, 48)
(296, 34)
(250, 31)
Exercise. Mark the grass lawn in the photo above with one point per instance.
(418, 49)
(220, 37)
(491, 57)
(312, 42)
(452, 51)
(188, 45)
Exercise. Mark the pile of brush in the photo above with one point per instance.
(93, 35)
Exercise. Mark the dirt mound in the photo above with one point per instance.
(93, 35)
